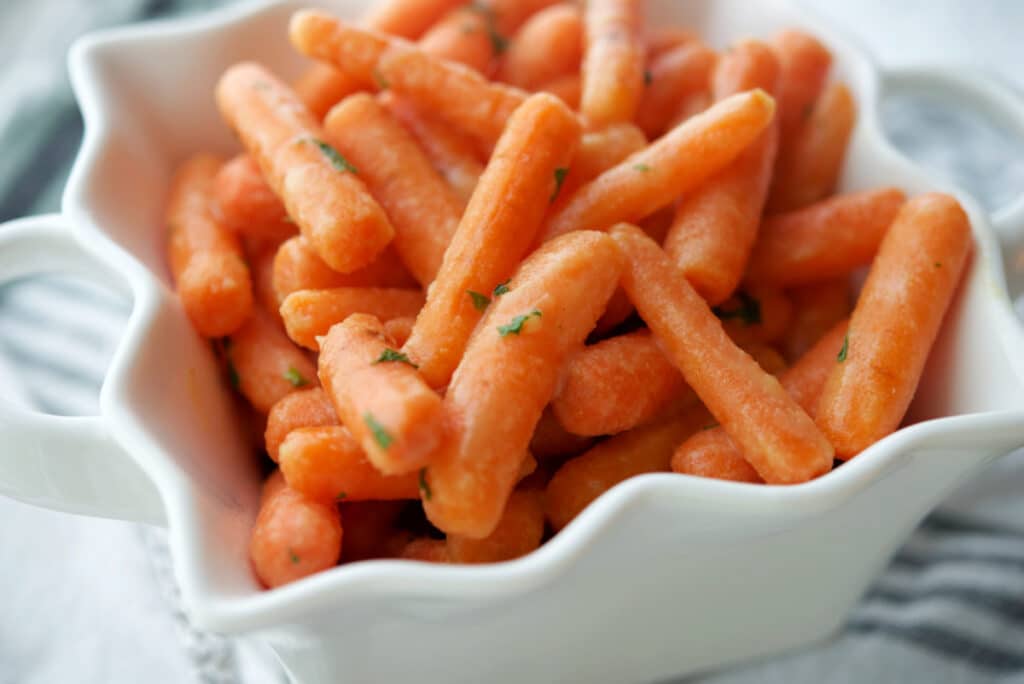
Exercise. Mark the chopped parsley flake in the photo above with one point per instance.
(642, 168)
(845, 350)
(748, 312)
(480, 301)
(333, 156)
(424, 487)
(392, 355)
(295, 377)
(560, 174)
(938, 264)
(341, 496)
(382, 82)
(515, 327)
(294, 556)
(380, 435)
(502, 288)
(499, 43)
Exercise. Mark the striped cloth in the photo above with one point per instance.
(950, 608)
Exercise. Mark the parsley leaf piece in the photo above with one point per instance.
(642, 168)
(296, 378)
(845, 350)
(515, 326)
(341, 496)
(380, 435)
(499, 43)
(392, 355)
(333, 156)
(748, 312)
(938, 264)
(424, 487)
(382, 82)
(560, 173)
(480, 301)
(294, 556)
(502, 288)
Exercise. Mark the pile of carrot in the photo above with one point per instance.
(484, 261)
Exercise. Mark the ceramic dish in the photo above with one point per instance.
(662, 576)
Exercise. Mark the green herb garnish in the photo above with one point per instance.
(560, 174)
(296, 378)
(380, 435)
(499, 43)
(341, 496)
(938, 264)
(515, 327)
(846, 348)
(502, 288)
(424, 487)
(294, 556)
(642, 168)
(480, 301)
(748, 312)
(382, 82)
(333, 156)
(392, 355)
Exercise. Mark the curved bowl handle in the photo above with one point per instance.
(65, 463)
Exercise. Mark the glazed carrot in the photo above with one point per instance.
(894, 323)
(715, 226)
(379, 395)
(826, 240)
(551, 440)
(805, 63)
(206, 258)
(407, 18)
(614, 385)
(426, 550)
(500, 222)
(519, 532)
(298, 267)
(673, 76)
(761, 313)
(548, 46)
(508, 374)
(613, 61)
(307, 408)
(779, 439)
(808, 168)
(322, 86)
(646, 449)
(321, 190)
(675, 164)
(399, 329)
(467, 35)
(568, 89)
(308, 314)
(293, 538)
(816, 308)
(423, 209)
(261, 254)
(247, 204)
(371, 530)
(712, 453)
(664, 38)
(600, 151)
(326, 464)
(451, 153)
(264, 365)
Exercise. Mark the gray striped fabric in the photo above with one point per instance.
(950, 608)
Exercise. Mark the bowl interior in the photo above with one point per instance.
(148, 99)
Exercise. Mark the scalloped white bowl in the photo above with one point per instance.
(662, 576)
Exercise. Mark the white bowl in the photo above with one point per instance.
(662, 576)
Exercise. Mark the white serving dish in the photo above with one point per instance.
(664, 575)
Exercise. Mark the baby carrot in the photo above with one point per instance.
(804, 63)
(247, 204)
(379, 395)
(322, 86)
(261, 254)
(467, 35)
(308, 314)
(206, 258)
(371, 530)
(645, 449)
(548, 46)
(895, 322)
(568, 89)
(326, 464)
(306, 408)
(600, 151)
(615, 385)
(272, 485)
(715, 226)
(673, 165)
(780, 440)
(661, 39)
(508, 374)
(816, 308)
(399, 329)
(826, 240)
(264, 365)
(423, 209)
(498, 226)
(426, 550)
(407, 18)
(672, 77)
(613, 61)
(298, 267)
(519, 532)
(808, 168)
(551, 440)
(761, 313)
(293, 538)
(321, 190)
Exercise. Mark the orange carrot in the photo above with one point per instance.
(206, 258)
(715, 227)
(308, 314)
(664, 38)
(399, 329)
(551, 440)
(756, 313)
(407, 18)
(320, 189)
(816, 308)
(509, 373)
(500, 222)
(247, 204)
(261, 254)
(894, 323)
(779, 439)
(805, 63)
(326, 464)
(423, 209)
(264, 365)
(322, 86)
(568, 89)
(272, 485)
(548, 46)
(307, 408)
(371, 530)
(467, 35)
(519, 532)
(672, 77)
(613, 61)
(293, 538)
(826, 240)
(600, 151)
(675, 164)
(426, 550)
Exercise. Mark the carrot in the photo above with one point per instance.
(816, 308)
(712, 453)
(715, 227)
(895, 322)
(808, 168)
(756, 313)
(261, 254)
(293, 538)
(206, 259)
(548, 46)
(246, 203)
(307, 408)
(826, 240)
(423, 209)
(673, 76)
(600, 151)
(519, 532)
(568, 89)
(298, 267)
(664, 38)
(646, 449)
(399, 329)
(308, 314)
(407, 18)
(804, 63)
(615, 385)
(326, 464)
(467, 35)
(322, 86)
(780, 440)
(321, 190)
(509, 373)
(272, 485)
(264, 365)
(550, 440)
(426, 550)
(613, 61)
(452, 154)
(675, 164)
(371, 530)
(500, 222)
